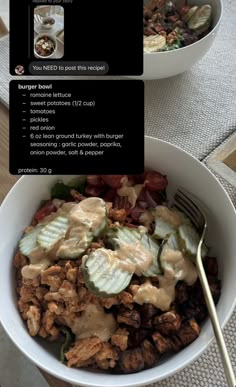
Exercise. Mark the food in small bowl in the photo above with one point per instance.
(44, 46)
(48, 22)
(16, 214)
(177, 34)
(169, 27)
(108, 271)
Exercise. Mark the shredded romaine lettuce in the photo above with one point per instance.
(62, 191)
(69, 338)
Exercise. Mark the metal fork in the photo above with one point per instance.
(184, 202)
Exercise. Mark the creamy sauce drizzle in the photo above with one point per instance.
(83, 217)
(170, 215)
(34, 269)
(177, 267)
(132, 192)
(93, 322)
(147, 293)
(133, 258)
(62, 211)
(146, 218)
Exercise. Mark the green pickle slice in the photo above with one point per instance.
(29, 241)
(103, 276)
(201, 19)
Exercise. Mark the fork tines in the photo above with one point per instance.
(184, 203)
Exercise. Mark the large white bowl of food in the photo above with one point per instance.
(98, 282)
(45, 46)
(177, 34)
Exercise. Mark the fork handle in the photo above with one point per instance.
(228, 369)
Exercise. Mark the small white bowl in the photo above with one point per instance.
(167, 64)
(38, 37)
(48, 26)
(181, 169)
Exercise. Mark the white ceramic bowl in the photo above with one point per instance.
(167, 64)
(38, 37)
(48, 26)
(182, 169)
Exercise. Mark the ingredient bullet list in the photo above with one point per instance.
(76, 127)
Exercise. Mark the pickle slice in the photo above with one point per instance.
(172, 243)
(53, 232)
(121, 236)
(103, 275)
(190, 13)
(153, 246)
(201, 19)
(162, 229)
(167, 223)
(29, 241)
(75, 247)
(189, 240)
(154, 43)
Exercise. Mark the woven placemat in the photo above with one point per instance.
(197, 110)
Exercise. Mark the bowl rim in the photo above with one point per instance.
(211, 32)
(122, 379)
(48, 25)
(40, 36)
(49, 17)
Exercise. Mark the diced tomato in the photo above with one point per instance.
(114, 181)
(137, 179)
(47, 209)
(109, 195)
(184, 10)
(131, 225)
(155, 181)
(91, 190)
(95, 180)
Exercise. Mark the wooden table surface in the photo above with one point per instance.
(6, 182)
